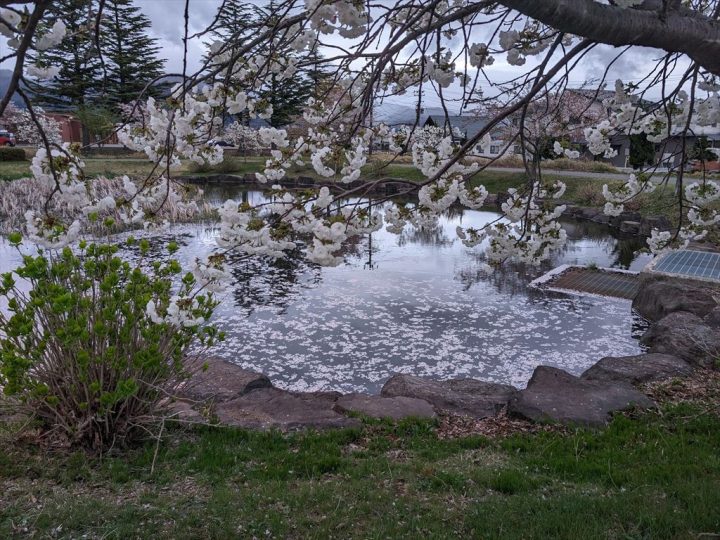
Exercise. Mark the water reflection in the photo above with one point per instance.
(425, 308)
(275, 283)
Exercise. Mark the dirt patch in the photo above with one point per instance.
(701, 388)
(500, 426)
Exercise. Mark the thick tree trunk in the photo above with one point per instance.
(678, 30)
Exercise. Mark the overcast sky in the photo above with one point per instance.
(167, 26)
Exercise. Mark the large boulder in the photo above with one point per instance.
(272, 408)
(647, 224)
(395, 408)
(218, 380)
(590, 212)
(684, 335)
(630, 227)
(638, 369)
(468, 397)
(615, 221)
(658, 298)
(553, 395)
(712, 319)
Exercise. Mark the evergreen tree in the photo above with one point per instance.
(642, 151)
(129, 52)
(234, 19)
(701, 150)
(79, 79)
(287, 96)
(320, 75)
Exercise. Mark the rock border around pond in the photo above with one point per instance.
(685, 335)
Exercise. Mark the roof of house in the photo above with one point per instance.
(468, 125)
(257, 123)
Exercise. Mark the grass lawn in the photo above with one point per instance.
(653, 476)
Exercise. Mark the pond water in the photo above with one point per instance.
(417, 303)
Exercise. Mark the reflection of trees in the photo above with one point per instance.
(259, 281)
(623, 249)
(425, 237)
(276, 283)
(511, 278)
(639, 326)
(626, 250)
(454, 212)
(355, 246)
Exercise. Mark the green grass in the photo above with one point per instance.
(655, 476)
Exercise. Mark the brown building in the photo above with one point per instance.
(71, 129)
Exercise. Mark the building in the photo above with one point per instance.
(464, 128)
(70, 127)
(669, 153)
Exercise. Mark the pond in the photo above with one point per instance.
(417, 303)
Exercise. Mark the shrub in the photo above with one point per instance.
(579, 165)
(510, 161)
(83, 353)
(638, 202)
(590, 194)
(8, 153)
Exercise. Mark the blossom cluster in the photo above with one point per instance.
(530, 230)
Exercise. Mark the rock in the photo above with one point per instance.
(638, 369)
(184, 412)
(590, 213)
(660, 223)
(684, 335)
(554, 395)
(659, 297)
(490, 200)
(630, 227)
(501, 198)
(615, 221)
(603, 219)
(712, 319)
(468, 397)
(272, 408)
(222, 381)
(396, 408)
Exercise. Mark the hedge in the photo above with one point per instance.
(12, 154)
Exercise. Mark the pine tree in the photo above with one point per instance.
(77, 57)
(235, 19)
(129, 52)
(287, 96)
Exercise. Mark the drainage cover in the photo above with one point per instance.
(689, 263)
(603, 282)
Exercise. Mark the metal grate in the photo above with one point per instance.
(602, 282)
(690, 263)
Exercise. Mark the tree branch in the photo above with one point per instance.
(681, 30)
